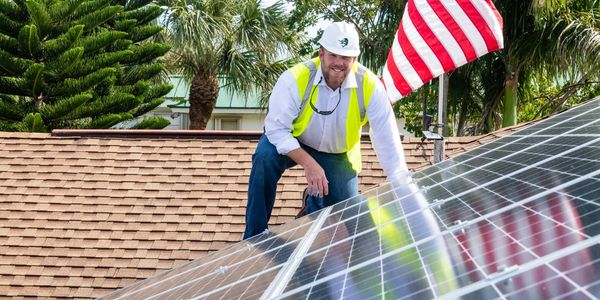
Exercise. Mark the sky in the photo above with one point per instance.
(312, 31)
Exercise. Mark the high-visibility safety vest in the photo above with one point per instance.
(305, 72)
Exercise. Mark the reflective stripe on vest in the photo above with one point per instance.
(305, 72)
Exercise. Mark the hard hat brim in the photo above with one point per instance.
(344, 52)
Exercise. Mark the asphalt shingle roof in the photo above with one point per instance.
(83, 213)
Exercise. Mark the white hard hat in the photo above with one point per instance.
(340, 38)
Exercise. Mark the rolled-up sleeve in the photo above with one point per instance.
(284, 107)
(385, 136)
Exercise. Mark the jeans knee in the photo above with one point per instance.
(265, 150)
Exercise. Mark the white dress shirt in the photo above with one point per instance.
(326, 133)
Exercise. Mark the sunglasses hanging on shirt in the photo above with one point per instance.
(324, 112)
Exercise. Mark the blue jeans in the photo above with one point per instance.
(267, 168)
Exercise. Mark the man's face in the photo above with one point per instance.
(335, 67)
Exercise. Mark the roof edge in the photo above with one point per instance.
(165, 133)
(154, 133)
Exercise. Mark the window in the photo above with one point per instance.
(185, 121)
(228, 123)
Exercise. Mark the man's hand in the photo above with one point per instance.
(317, 182)
(314, 173)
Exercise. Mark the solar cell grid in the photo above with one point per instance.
(249, 287)
(518, 218)
(512, 274)
(535, 236)
(209, 268)
(365, 254)
(331, 230)
(382, 192)
(505, 150)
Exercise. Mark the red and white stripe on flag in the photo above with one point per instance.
(437, 36)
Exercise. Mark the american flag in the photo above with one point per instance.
(437, 36)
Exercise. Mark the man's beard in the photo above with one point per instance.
(335, 78)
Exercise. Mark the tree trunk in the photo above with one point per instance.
(509, 113)
(460, 130)
(204, 90)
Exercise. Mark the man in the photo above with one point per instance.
(316, 112)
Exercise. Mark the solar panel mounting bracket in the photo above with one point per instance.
(504, 271)
(460, 225)
(430, 135)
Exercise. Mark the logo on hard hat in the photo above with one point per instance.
(344, 42)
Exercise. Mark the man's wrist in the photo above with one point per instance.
(400, 177)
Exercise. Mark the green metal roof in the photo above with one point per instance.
(226, 99)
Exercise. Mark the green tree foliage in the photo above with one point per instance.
(375, 20)
(236, 43)
(550, 60)
(79, 64)
(552, 49)
(556, 59)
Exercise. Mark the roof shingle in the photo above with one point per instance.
(83, 213)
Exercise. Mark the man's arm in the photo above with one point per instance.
(284, 107)
(385, 136)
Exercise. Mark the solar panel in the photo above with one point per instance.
(518, 218)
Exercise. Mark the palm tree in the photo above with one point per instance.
(551, 41)
(236, 43)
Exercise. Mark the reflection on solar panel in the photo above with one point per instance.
(518, 218)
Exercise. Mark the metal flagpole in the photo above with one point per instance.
(438, 144)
